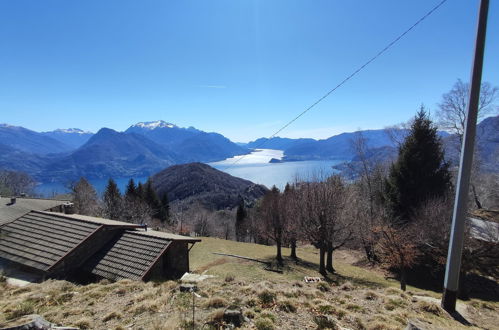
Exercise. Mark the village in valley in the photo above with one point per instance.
(157, 226)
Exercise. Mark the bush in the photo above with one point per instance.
(112, 315)
(24, 308)
(269, 316)
(371, 295)
(323, 286)
(325, 322)
(264, 324)
(216, 302)
(391, 304)
(229, 277)
(267, 297)
(287, 306)
(84, 323)
(429, 307)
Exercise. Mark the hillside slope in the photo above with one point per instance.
(200, 182)
(356, 298)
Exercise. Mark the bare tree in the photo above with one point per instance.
(15, 183)
(397, 249)
(85, 198)
(273, 221)
(366, 192)
(452, 110)
(323, 218)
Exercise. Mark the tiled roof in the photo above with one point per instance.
(173, 237)
(130, 255)
(40, 240)
(96, 220)
(9, 212)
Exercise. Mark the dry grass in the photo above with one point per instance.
(356, 298)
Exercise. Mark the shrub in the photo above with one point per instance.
(3, 278)
(216, 302)
(429, 307)
(326, 309)
(287, 306)
(347, 286)
(84, 323)
(325, 322)
(229, 277)
(323, 286)
(269, 316)
(353, 307)
(251, 302)
(267, 297)
(264, 324)
(24, 308)
(371, 295)
(217, 316)
(391, 304)
(112, 315)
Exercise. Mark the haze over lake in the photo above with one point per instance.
(254, 167)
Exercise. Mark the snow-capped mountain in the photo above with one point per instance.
(29, 141)
(154, 124)
(190, 143)
(71, 131)
(72, 137)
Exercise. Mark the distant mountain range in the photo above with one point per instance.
(335, 147)
(148, 147)
(143, 149)
(201, 183)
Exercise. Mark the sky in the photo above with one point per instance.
(242, 68)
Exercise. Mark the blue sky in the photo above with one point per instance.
(239, 67)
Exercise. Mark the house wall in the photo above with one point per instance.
(173, 264)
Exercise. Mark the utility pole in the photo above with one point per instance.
(453, 267)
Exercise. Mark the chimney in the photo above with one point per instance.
(12, 200)
(69, 208)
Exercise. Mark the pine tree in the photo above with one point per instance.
(420, 172)
(113, 203)
(165, 208)
(151, 198)
(140, 191)
(131, 189)
(240, 220)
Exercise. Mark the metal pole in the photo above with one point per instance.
(453, 267)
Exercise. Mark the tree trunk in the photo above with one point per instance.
(322, 255)
(329, 261)
(475, 197)
(293, 249)
(403, 279)
(279, 252)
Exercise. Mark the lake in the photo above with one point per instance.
(254, 167)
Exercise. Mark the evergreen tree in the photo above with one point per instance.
(164, 214)
(140, 192)
(113, 204)
(131, 189)
(151, 198)
(240, 220)
(420, 172)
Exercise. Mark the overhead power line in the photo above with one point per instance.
(354, 73)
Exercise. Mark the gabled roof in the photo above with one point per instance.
(131, 255)
(40, 241)
(96, 220)
(10, 212)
